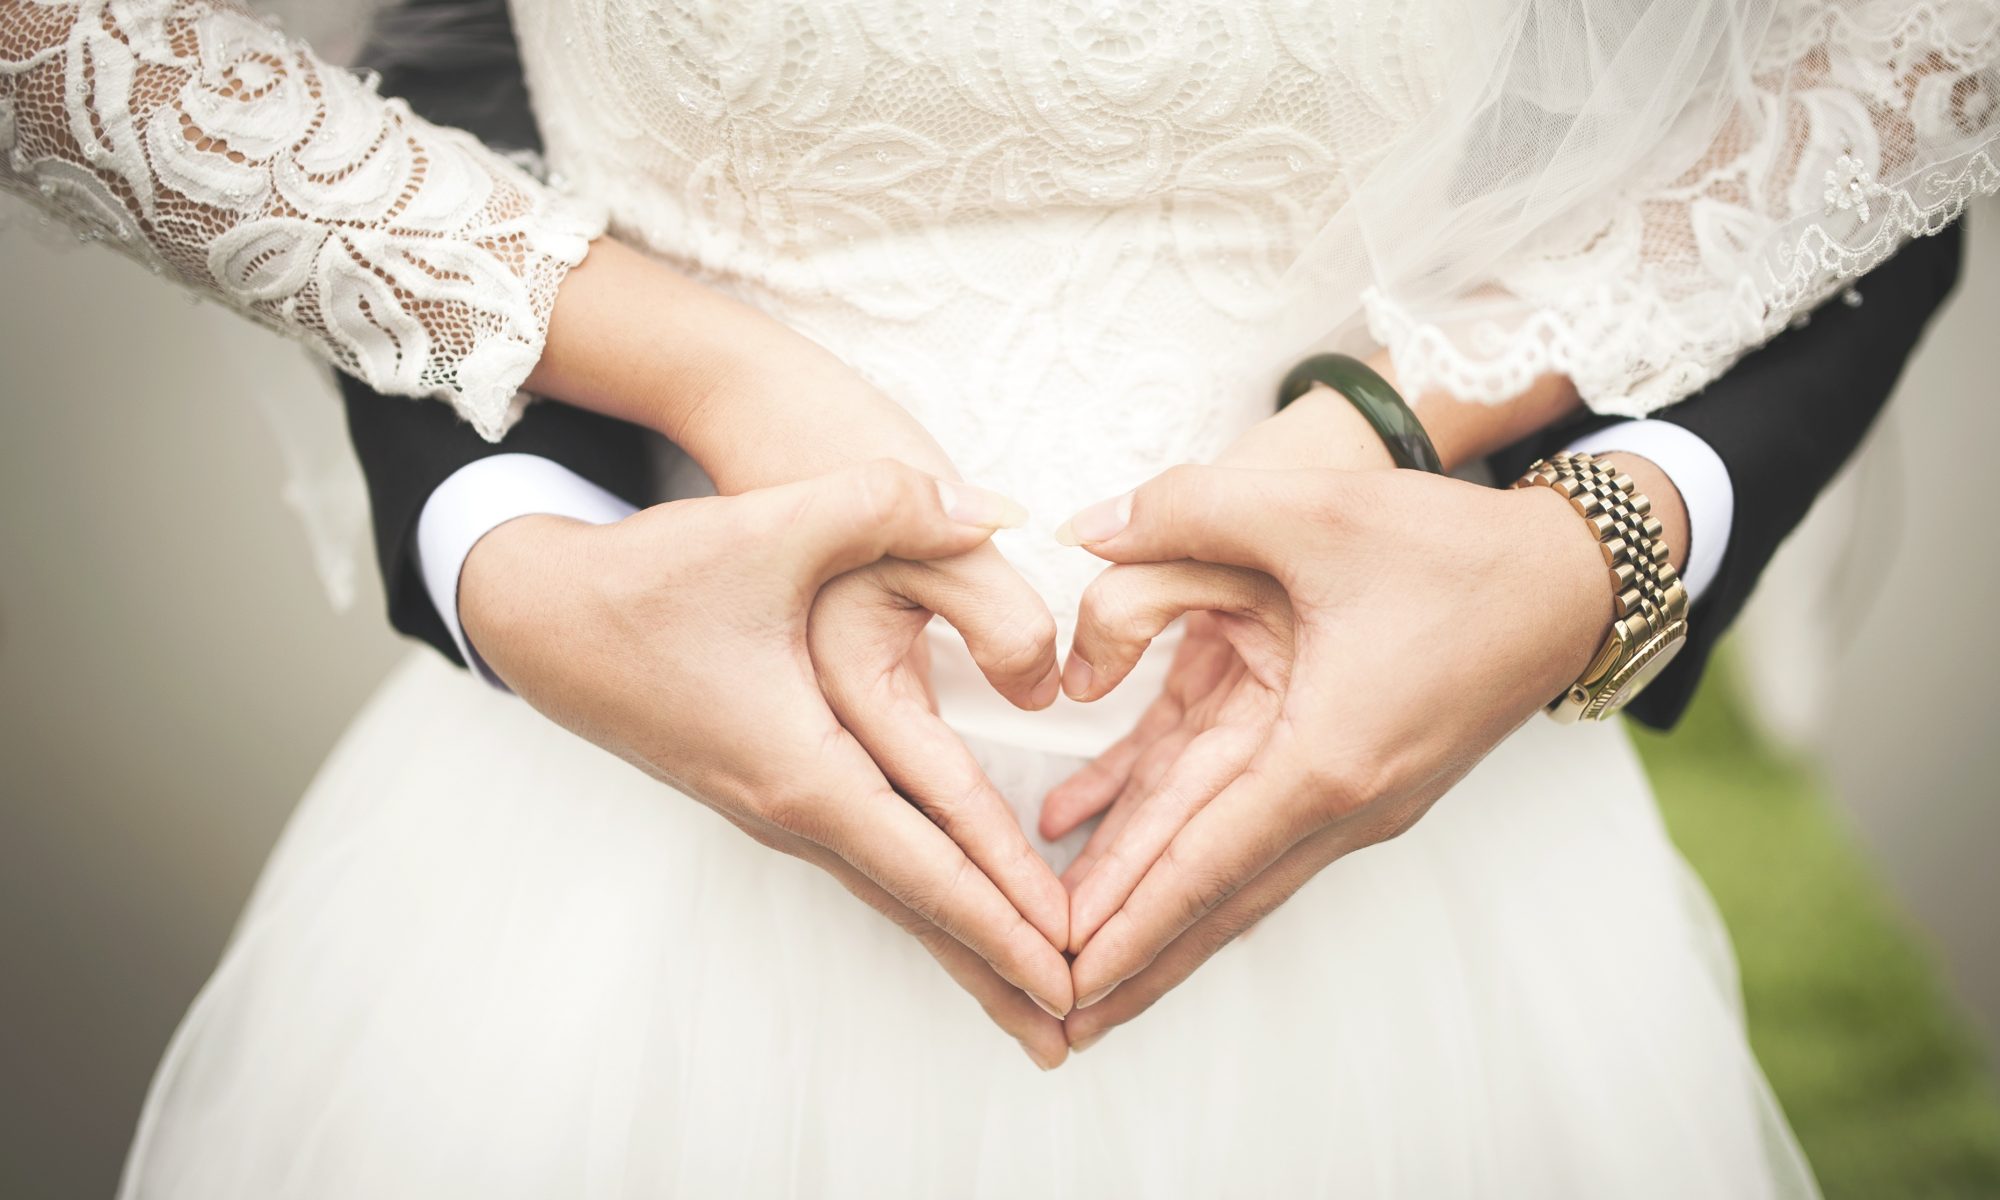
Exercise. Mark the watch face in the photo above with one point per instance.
(1646, 666)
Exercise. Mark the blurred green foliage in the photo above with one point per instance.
(1888, 1088)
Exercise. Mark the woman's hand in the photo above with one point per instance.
(1425, 619)
(751, 400)
(684, 649)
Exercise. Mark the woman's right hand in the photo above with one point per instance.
(751, 400)
(677, 638)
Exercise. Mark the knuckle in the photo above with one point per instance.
(1110, 605)
(1211, 936)
(794, 812)
(933, 939)
(765, 836)
(1340, 785)
(934, 901)
(1203, 889)
(1181, 478)
(947, 812)
(1175, 494)
(1395, 822)
(753, 521)
(882, 489)
(1021, 644)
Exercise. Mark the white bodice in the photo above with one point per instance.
(1078, 239)
(1049, 229)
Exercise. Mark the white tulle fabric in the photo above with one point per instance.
(488, 960)
(1634, 194)
(199, 139)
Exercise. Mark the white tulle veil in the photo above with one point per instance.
(1635, 192)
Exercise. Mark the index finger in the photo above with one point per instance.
(1245, 829)
(1202, 940)
(1038, 1033)
(927, 762)
(890, 842)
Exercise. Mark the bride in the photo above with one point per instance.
(865, 262)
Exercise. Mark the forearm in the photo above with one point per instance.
(196, 138)
(752, 401)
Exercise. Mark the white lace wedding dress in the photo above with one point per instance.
(489, 960)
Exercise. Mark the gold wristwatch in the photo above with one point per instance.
(1649, 623)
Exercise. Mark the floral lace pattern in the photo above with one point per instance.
(1053, 230)
(1818, 177)
(200, 140)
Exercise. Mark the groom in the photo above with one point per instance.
(1748, 455)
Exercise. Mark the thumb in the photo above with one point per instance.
(1004, 622)
(883, 509)
(1222, 515)
(1129, 605)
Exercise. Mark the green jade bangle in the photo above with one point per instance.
(1367, 391)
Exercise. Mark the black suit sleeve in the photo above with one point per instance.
(408, 447)
(1784, 420)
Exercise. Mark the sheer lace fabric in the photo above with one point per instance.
(1053, 231)
(199, 139)
(1082, 241)
(1631, 193)
(1637, 199)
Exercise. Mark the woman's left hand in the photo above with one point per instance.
(1388, 628)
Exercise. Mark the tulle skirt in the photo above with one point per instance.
(489, 960)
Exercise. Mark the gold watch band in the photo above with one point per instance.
(1651, 601)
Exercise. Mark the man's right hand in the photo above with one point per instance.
(677, 639)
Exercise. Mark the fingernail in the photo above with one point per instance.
(1095, 996)
(1100, 522)
(1041, 1064)
(970, 505)
(1077, 677)
(1046, 1007)
(1088, 1042)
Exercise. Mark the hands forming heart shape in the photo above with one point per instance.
(1359, 639)
(1291, 730)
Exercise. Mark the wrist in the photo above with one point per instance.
(1563, 567)
(1466, 432)
(515, 582)
(1668, 504)
(1645, 625)
(751, 400)
(1320, 429)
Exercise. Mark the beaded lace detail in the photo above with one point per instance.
(1820, 173)
(199, 139)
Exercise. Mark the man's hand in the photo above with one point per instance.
(1223, 691)
(1389, 629)
(678, 639)
(865, 638)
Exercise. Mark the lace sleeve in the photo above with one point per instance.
(1848, 129)
(200, 140)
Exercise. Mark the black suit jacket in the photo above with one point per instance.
(1783, 420)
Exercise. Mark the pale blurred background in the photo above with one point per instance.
(171, 671)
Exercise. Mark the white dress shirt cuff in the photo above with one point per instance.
(1698, 474)
(479, 498)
